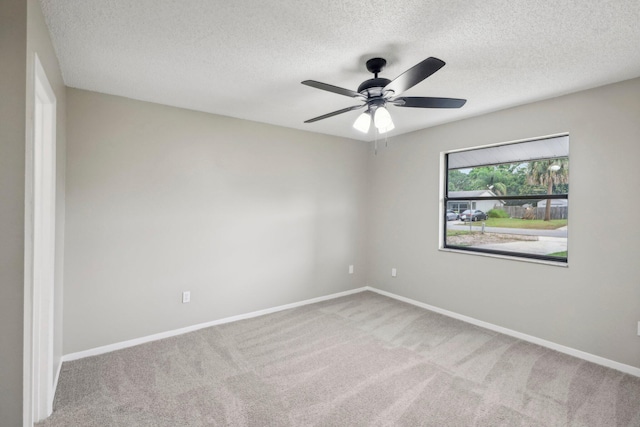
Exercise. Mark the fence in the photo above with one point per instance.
(557, 212)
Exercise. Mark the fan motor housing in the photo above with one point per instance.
(378, 82)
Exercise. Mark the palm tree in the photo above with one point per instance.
(498, 188)
(491, 178)
(548, 173)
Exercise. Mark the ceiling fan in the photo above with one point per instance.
(377, 92)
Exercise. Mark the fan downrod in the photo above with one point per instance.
(373, 87)
(375, 65)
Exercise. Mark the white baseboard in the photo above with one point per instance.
(137, 341)
(55, 381)
(628, 369)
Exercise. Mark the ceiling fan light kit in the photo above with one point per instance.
(363, 122)
(382, 118)
(378, 92)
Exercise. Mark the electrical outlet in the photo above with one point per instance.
(186, 297)
(394, 272)
(351, 269)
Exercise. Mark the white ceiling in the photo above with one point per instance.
(246, 58)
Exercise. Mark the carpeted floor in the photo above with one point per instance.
(363, 359)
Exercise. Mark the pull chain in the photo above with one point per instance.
(375, 144)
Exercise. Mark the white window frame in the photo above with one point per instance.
(443, 207)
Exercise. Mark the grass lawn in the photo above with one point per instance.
(562, 254)
(457, 233)
(533, 224)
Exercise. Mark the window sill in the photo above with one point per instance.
(512, 258)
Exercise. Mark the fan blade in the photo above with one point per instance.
(335, 113)
(414, 75)
(427, 102)
(334, 89)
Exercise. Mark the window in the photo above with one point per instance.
(510, 199)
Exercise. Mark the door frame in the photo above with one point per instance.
(40, 230)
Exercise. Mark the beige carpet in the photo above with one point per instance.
(359, 360)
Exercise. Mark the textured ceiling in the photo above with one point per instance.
(246, 58)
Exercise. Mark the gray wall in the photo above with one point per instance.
(13, 44)
(244, 215)
(248, 216)
(594, 304)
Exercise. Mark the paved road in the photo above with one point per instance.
(457, 225)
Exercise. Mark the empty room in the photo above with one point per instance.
(343, 213)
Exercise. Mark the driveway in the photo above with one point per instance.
(543, 246)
